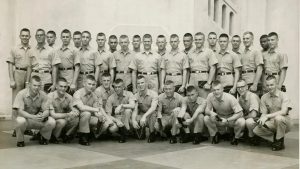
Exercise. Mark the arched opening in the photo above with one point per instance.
(231, 24)
(223, 16)
(216, 8)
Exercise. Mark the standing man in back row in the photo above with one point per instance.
(174, 66)
(228, 69)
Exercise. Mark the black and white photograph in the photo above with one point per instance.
(149, 84)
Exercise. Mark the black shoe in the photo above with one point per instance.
(278, 145)
(185, 138)
(83, 139)
(66, 139)
(234, 141)
(215, 139)
(14, 134)
(122, 132)
(20, 144)
(35, 136)
(173, 140)
(254, 141)
(151, 138)
(197, 138)
(28, 132)
(53, 140)
(43, 141)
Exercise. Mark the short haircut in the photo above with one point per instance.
(40, 30)
(136, 37)
(51, 32)
(106, 74)
(62, 79)
(91, 77)
(190, 88)
(66, 31)
(270, 77)
(147, 36)
(140, 77)
(216, 83)
(161, 36)
(169, 82)
(24, 30)
(273, 34)
(86, 32)
(112, 37)
(77, 33)
(248, 32)
(123, 36)
(118, 81)
(224, 35)
(174, 36)
(263, 36)
(241, 80)
(100, 34)
(36, 78)
(188, 35)
(212, 33)
(200, 33)
(236, 36)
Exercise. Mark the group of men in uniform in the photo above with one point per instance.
(187, 93)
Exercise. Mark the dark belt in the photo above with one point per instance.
(69, 68)
(225, 73)
(42, 71)
(20, 68)
(173, 74)
(249, 71)
(103, 71)
(199, 71)
(85, 73)
(123, 71)
(269, 74)
(147, 73)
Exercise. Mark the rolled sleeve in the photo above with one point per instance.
(133, 64)
(98, 59)
(283, 61)
(19, 103)
(254, 103)
(212, 58)
(236, 106)
(55, 59)
(77, 99)
(76, 58)
(263, 108)
(11, 57)
(185, 62)
(236, 61)
(258, 58)
(286, 102)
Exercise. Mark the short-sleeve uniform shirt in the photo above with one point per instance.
(102, 93)
(250, 60)
(193, 106)
(146, 62)
(60, 104)
(123, 60)
(273, 103)
(19, 56)
(44, 58)
(32, 105)
(69, 58)
(274, 61)
(81, 97)
(225, 107)
(249, 102)
(175, 62)
(145, 101)
(108, 61)
(89, 59)
(114, 100)
(168, 104)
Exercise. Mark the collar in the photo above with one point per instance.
(250, 48)
(28, 95)
(20, 46)
(173, 97)
(222, 98)
(161, 53)
(237, 52)
(196, 50)
(213, 48)
(174, 52)
(273, 51)
(226, 52)
(55, 96)
(276, 93)
(63, 48)
(85, 48)
(146, 94)
(125, 53)
(42, 47)
(102, 50)
(147, 52)
(86, 93)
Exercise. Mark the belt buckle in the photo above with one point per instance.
(222, 74)
(148, 73)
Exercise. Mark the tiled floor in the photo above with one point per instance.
(134, 154)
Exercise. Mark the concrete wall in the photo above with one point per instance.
(155, 17)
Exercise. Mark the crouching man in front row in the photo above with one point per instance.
(169, 106)
(275, 120)
(223, 110)
(92, 115)
(192, 116)
(33, 112)
(119, 107)
(65, 115)
(144, 114)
